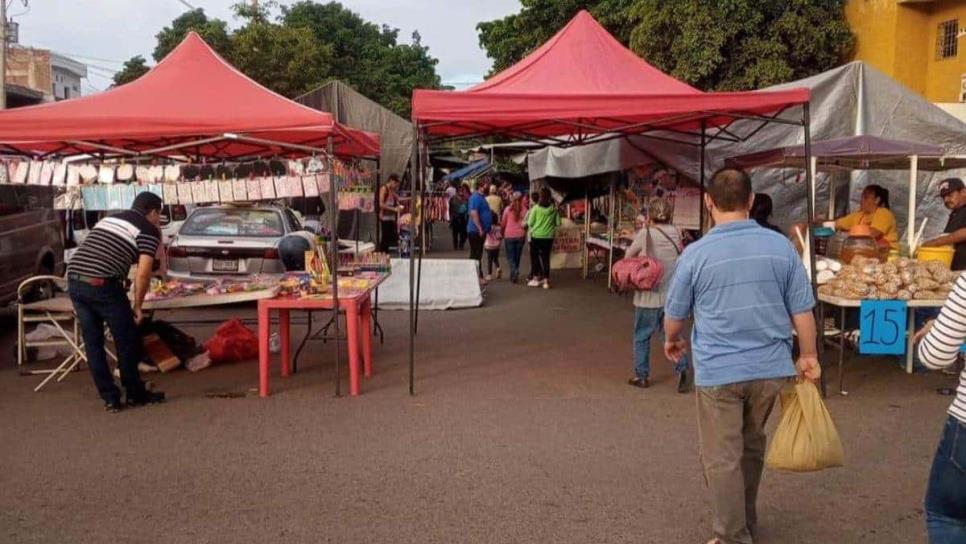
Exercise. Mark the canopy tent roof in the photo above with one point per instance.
(860, 152)
(193, 103)
(583, 84)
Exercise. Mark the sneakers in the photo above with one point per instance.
(488, 277)
(113, 406)
(534, 283)
(546, 284)
(499, 272)
(145, 398)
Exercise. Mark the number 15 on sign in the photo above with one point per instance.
(883, 327)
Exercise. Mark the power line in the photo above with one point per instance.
(187, 5)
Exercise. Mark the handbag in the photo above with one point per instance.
(638, 273)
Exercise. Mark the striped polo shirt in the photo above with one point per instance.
(741, 283)
(942, 344)
(114, 245)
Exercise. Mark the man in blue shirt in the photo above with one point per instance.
(746, 288)
(481, 219)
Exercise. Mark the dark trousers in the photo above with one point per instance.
(476, 250)
(514, 250)
(534, 261)
(109, 304)
(541, 247)
(458, 226)
(946, 493)
(388, 236)
(492, 260)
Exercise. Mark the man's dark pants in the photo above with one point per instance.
(96, 305)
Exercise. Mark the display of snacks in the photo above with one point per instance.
(903, 279)
(163, 290)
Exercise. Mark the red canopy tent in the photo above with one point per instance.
(584, 86)
(194, 104)
(583, 83)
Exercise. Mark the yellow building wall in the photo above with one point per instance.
(899, 38)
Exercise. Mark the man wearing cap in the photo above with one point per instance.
(96, 282)
(953, 193)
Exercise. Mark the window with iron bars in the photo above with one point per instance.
(946, 39)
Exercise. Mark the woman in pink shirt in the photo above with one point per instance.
(514, 233)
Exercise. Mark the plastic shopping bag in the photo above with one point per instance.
(806, 439)
(232, 342)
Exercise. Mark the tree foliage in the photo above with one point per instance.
(711, 44)
(133, 68)
(308, 44)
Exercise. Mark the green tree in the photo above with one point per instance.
(741, 44)
(288, 60)
(511, 38)
(133, 68)
(213, 31)
(711, 44)
(365, 55)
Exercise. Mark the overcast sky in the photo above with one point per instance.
(104, 33)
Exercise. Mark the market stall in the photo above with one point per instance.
(582, 87)
(193, 130)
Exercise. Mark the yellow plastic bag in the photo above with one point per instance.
(806, 439)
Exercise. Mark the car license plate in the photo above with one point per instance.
(220, 265)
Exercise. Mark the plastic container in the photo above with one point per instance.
(943, 254)
(822, 237)
(860, 243)
(835, 243)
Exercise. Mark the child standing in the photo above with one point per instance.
(492, 246)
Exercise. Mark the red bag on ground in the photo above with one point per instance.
(232, 342)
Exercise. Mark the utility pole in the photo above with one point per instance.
(3, 54)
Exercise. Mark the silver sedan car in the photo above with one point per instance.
(223, 241)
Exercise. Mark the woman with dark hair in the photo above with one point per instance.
(542, 223)
(761, 210)
(389, 209)
(873, 211)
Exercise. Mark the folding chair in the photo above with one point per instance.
(58, 312)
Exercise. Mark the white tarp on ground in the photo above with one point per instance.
(851, 100)
(446, 284)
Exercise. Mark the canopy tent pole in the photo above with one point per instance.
(913, 183)
(412, 277)
(419, 209)
(701, 180)
(831, 196)
(334, 264)
(587, 216)
(810, 239)
(610, 232)
(376, 327)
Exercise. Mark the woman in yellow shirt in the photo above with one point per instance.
(873, 211)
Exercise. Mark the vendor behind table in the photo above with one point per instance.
(873, 212)
(953, 193)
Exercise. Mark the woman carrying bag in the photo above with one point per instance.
(661, 241)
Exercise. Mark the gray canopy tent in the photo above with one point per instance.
(858, 153)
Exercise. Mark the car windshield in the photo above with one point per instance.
(240, 222)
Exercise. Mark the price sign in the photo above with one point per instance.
(883, 327)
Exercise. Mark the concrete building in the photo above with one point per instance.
(920, 43)
(66, 75)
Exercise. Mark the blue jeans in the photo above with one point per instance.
(946, 494)
(95, 306)
(647, 321)
(514, 252)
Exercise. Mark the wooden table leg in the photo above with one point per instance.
(365, 330)
(352, 339)
(283, 334)
(263, 354)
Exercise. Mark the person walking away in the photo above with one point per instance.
(542, 223)
(761, 210)
(495, 201)
(945, 502)
(494, 239)
(480, 221)
(658, 240)
(746, 289)
(953, 193)
(389, 210)
(514, 234)
(458, 217)
(96, 279)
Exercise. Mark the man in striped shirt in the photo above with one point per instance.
(96, 279)
(746, 288)
(946, 494)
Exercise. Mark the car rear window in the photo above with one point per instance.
(241, 222)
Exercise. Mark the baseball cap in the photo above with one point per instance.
(950, 185)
